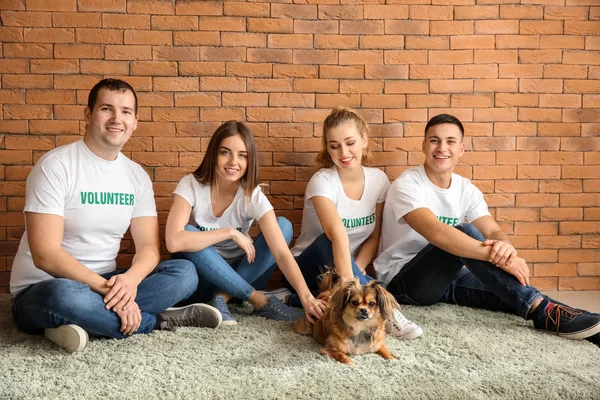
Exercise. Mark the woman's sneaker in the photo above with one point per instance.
(565, 321)
(70, 337)
(275, 309)
(401, 328)
(220, 304)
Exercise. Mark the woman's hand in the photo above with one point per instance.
(314, 308)
(245, 244)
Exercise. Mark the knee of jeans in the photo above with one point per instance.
(188, 275)
(286, 227)
(63, 293)
(191, 228)
(471, 231)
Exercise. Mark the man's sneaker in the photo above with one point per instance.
(198, 315)
(70, 337)
(220, 304)
(275, 309)
(280, 294)
(565, 321)
(401, 328)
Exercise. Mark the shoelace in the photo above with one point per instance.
(398, 320)
(184, 319)
(221, 305)
(556, 311)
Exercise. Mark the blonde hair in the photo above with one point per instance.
(206, 174)
(338, 116)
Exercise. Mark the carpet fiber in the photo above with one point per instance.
(463, 354)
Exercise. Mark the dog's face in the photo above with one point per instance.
(360, 307)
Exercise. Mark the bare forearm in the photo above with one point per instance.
(144, 261)
(195, 241)
(367, 252)
(292, 273)
(455, 242)
(341, 259)
(61, 264)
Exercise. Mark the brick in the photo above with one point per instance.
(150, 7)
(476, 12)
(451, 86)
(583, 115)
(295, 71)
(135, 36)
(245, 99)
(536, 228)
(516, 186)
(504, 26)
(223, 54)
(362, 27)
(480, 158)
(315, 57)
(316, 26)
(396, 27)
(174, 23)
(27, 19)
(56, 127)
(103, 36)
(564, 71)
(583, 255)
(76, 20)
(558, 129)
(269, 55)
(579, 200)
(223, 114)
(198, 99)
(13, 5)
(27, 50)
(249, 70)
(316, 85)
(561, 158)
(294, 11)
(223, 84)
(290, 41)
(216, 23)
(544, 283)
(581, 57)
(76, 50)
(560, 100)
(431, 13)
(591, 101)
(125, 21)
(386, 72)
(176, 84)
(246, 9)
(495, 200)
(517, 11)
(361, 86)
(14, 157)
(243, 39)
(270, 25)
(517, 41)
(520, 71)
(384, 12)
(412, 115)
(530, 27)
(51, 5)
(523, 242)
(170, 114)
(197, 7)
(49, 35)
(589, 129)
(582, 86)
(517, 157)
(26, 111)
(537, 200)
(199, 68)
(555, 269)
(540, 56)
(592, 158)
(541, 86)
(155, 68)
(452, 28)
(588, 269)
(493, 115)
(590, 242)
(581, 27)
(291, 100)
(50, 97)
(538, 172)
(476, 71)
(514, 129)
(269, 85)
(335, 100)
(561, 214)
(539, 115)
(472, 100)
(472, 42)
(104, 67)
(579, 228)
(294, 159)
(340, 12)
(537, 144)
(14, 66)
(427, 100)
(336, 41)
(576, 172)
(29, 143)
(290, 130)
(516, 214)
(11, 34)
(510, 100)
(155, 129)
(561, 42)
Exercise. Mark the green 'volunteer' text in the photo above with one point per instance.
(356, 222)
(110, 198)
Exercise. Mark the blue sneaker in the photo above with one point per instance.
(276, 310)
(565, 321)
(220, 304)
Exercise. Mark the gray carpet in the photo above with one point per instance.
(463, 354)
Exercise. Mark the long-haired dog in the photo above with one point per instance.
(354, 321)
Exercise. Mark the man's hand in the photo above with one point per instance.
(130, 319)
(519, 269)
(501, 252)
(122, 293)
(314, 308)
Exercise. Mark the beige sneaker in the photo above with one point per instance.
(401, 328)
(70, 337)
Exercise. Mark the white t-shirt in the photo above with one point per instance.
(239, 215)
(399, 243)
(96, 198)
(358, 216)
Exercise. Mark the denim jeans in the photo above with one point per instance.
(314, 260)
(435, 275)
(239, 278)
(61, 301)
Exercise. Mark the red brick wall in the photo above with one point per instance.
(523, 74)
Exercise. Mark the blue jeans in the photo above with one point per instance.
(239, 278)
(61, 301)
(434, 275)
(314, 260)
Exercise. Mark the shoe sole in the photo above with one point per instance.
(71, 338)
(415, 333)
(582, 334)
(228, 323)
(215, 313)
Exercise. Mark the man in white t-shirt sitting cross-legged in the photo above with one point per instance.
(435, 222)
(80, 200)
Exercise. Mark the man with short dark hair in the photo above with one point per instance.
(80, 200)
(435, 222)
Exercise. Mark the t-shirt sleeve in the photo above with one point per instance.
(477, 206)
(145, 206)
(321, 185)
(259, 205)
(185, 189)
(383, 186)
(46, 190)
(405, 197)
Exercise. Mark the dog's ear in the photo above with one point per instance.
(387, 303)
(328, 279)
(340, 299)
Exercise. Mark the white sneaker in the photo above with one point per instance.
(401, 328)
(280, 294)
(70, 337)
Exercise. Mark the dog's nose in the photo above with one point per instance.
(364, 311)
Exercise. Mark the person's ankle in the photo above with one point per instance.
(534, 311)
(258, 300)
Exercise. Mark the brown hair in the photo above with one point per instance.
(116, 85)
(205, 173)
(338, 116)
